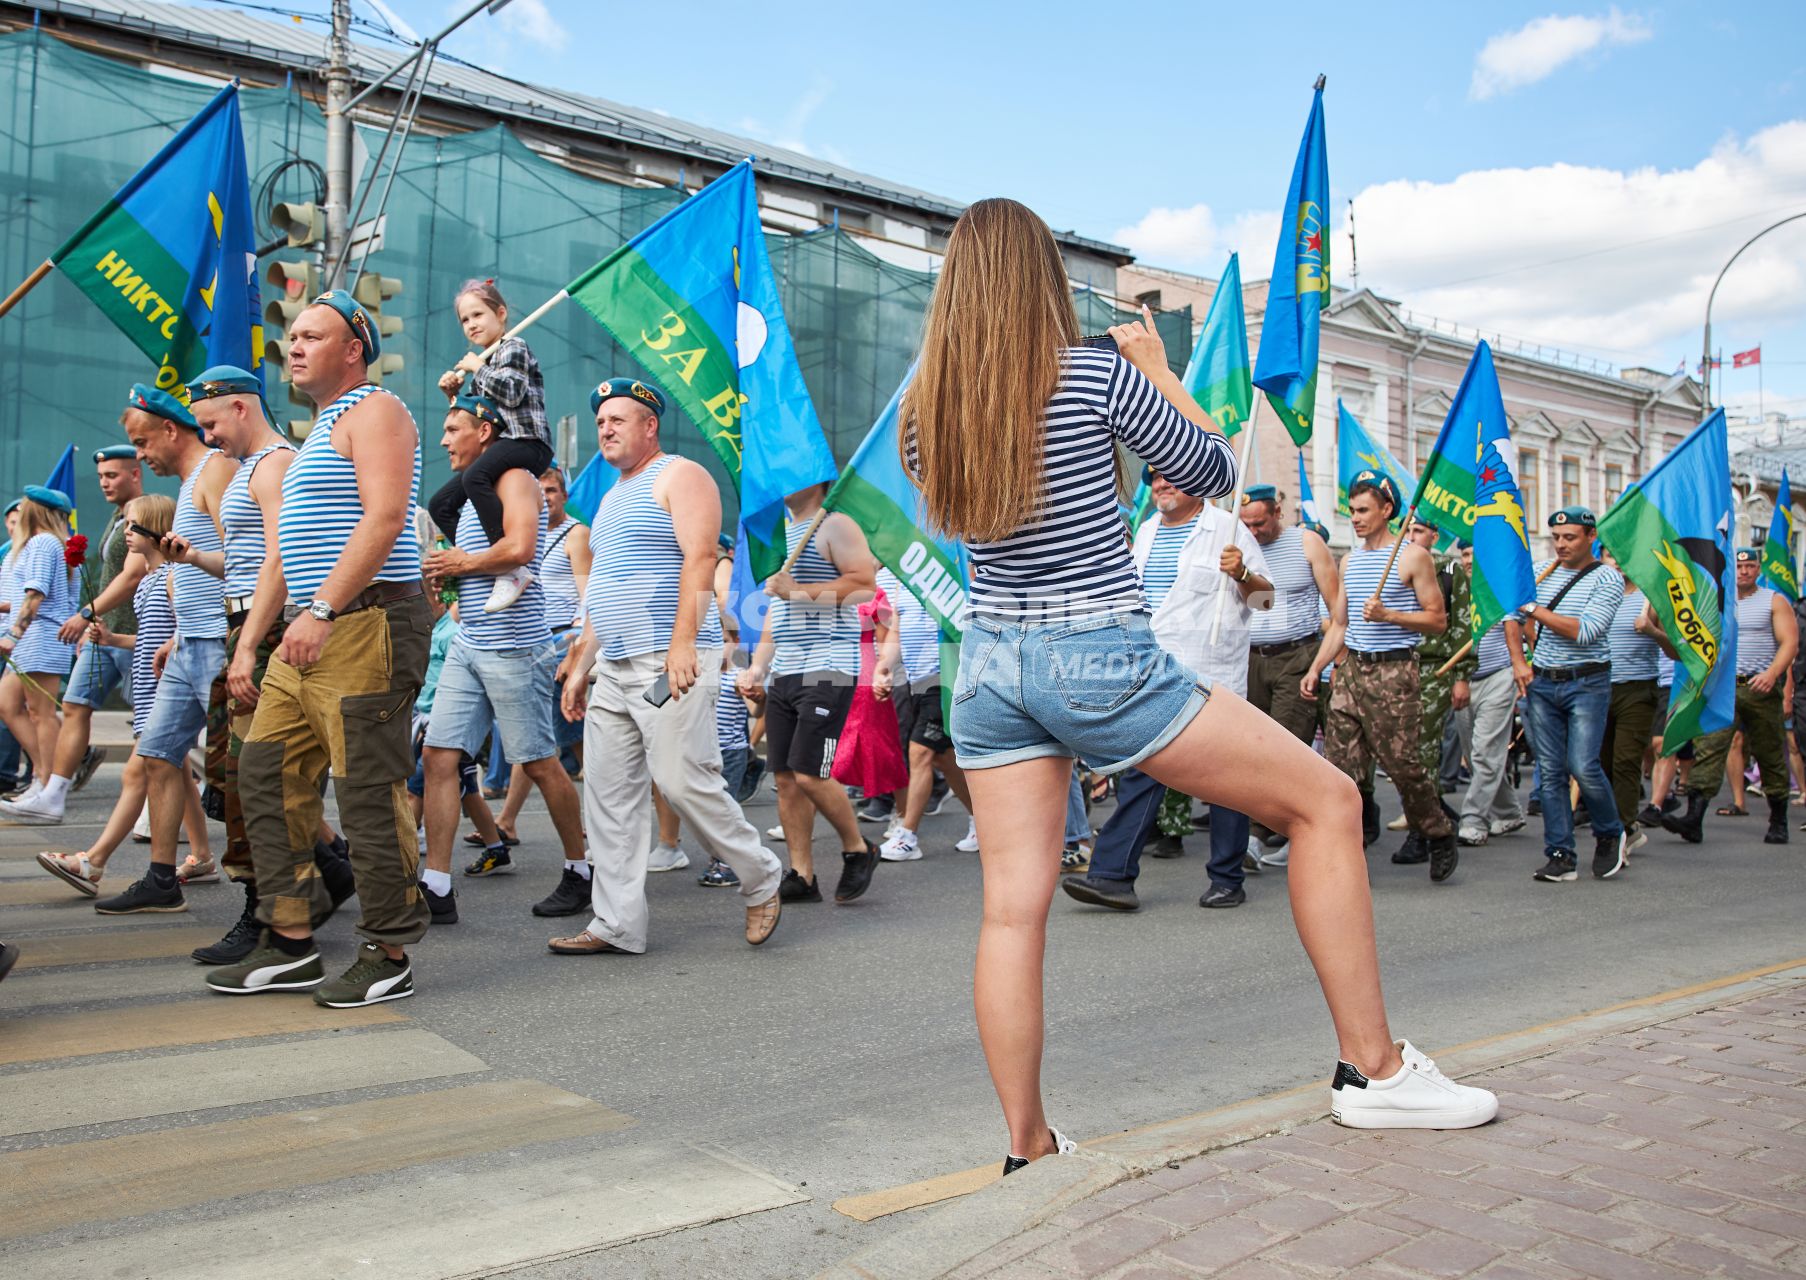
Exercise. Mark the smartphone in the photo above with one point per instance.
(1103, 340)
(660, 692)
(142, 532)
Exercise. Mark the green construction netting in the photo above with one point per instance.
(77, 125)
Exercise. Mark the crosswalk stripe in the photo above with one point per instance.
(19, 923)
(40, 1037)
(53, 1187)
(22, 893)
(58, 838)
(103, 948)
(38, 1101)
(36, 989)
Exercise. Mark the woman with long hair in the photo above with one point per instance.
(43, 597)
(1011, 428)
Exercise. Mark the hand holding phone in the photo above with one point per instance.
(660, 692)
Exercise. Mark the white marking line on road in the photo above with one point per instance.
(38, 1101)
(37, 989)
(79, 913)
(446, 1224)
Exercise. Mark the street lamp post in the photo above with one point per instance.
(1705, 359)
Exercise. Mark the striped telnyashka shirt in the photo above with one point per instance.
(558, 578)
(1755, 631)
(1594, 601)
(1162, 568)
(1071, 558)
(200, 597)
(635, 572)
(812, 637)
(1361, 570)
(156, 623)
(1634, 654)
(730, 714)
(1297, 604)
(320, 508)
(918, 632)
(243, 521)
(522, 625)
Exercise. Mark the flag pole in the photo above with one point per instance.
(1467, 648)
(803, 541)
(31, 282)
(1235, 506)
(533, 317)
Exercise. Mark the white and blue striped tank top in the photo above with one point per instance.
(246, 548)
(522, 625)
(156, 623)
(636, 568)
(917, 631)
(1162, 569)
(808, 636)
(557, 576)
(1755, 631)
(1634, 655)
(730, 714)
(200, 597)
(1491, 653)
(1297, 604)
(9, 577)
(320, 508)
(1361, 570)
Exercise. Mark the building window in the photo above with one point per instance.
(1530, 484)
(1614, 483)
(1426, 441)
(1571, 494)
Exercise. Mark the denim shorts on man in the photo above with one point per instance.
(99, 669)
(1096, 686)
(511, 687)
(180, 711)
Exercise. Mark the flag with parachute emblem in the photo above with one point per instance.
(1356, 451)
(1218, 376)
(1297, 293)
(1307, 502)
(1671, 533)
(1778, 570)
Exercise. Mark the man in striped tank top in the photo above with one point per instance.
(339, 690)
(653, 630)
(1376, 709)
(499, 669)
(1767, 639)
(168, 440)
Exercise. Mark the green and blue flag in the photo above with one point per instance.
(1307, 501)
(1297, 293)
(1356, 451)
(1778, 569)
(585, 492)
(171, 259)
(1218, 376)
(62, 479)
(694, 300)
(1671, 533)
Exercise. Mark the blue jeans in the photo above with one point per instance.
(1567, 724)
(1078, 829)
(1117, 857)
(506, 692)
(99, 669)
(179, 713)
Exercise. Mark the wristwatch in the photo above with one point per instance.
(323, 611)
(87, 613)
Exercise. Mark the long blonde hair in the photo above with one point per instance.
(1000, 317)
(36, 518)
(155, 511)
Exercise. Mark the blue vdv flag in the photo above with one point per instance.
(746, 598)
(585, 492)
(1778, 569)
(1307, 502)
(62, 479)
(1298, 291)
(1356, 451)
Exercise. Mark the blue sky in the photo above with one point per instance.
(1573, 175)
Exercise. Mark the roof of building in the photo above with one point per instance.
(299, 48)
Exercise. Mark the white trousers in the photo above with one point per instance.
(1489, 796)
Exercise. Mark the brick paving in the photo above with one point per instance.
(1676, 1150)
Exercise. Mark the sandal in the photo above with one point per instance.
(1732, 811)
(196, 871)
(477, 841)
(74, 869)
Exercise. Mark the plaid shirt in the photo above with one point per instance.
(511, 378)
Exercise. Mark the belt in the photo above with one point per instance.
(238, 604)
(1384, 655)
(235, 618)
(1282, 646)
(1561, 675)
(1752, 675)
(377, 593)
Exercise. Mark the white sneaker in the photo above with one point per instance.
(1418, 1097)
(775, 833)
(26, 796)
(141, 828)
(1505, 828)
(667, 857)
(903, 846)
(1400, 823)
(1473, 836)
(1637, 839)
(1275, 857)
(31, 811)
(1063, 1146)
(507, 590)
(968, 843)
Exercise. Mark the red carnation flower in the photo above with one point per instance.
(75, 551)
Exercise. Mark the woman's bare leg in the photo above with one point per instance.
(519, 788)
(194, 819)
(1021, 813)
(125, 812)
(1231, 754)
(41, 704)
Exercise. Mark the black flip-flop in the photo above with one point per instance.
(508, 841)
(1732, 811)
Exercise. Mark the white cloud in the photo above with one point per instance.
(534, 23)
(791, 132)
(1192, 239)
(1540, 47)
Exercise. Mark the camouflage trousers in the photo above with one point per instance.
(228, 720)
(1376, 717)
(1438, 694)
(1175, 814)
(1759, 716)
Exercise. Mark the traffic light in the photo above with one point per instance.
(292, 285)
(303, 224)
(373, 291)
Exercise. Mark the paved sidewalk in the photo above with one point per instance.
(1675, 1149)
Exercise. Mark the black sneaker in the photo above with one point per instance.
(1411, 853)
(334, 862)
(856, 873)
(1167, 847)
(718, 876)
(1115, 894)
(937, 798)
(1443, 855)
(793, 888)
(492, 861)
(1649, 816)
(1534, 807)
(1557, 870)
(143, 896)
(444, 906)
(1608, 856)
(877, 809)
(9, 956)
(1219, 896)
(92, 759)
(240, 940)
(568, 899)
(372, 979)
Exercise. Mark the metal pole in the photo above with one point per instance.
(1705, 358)
(338, 143)
(494, 6)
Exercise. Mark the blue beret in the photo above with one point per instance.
(224, 380)
(727, 542)
(1259, 493)
(354, 315)
(116, 453)
(45, 496)
(1745, 555)
(13, 506)
(155, 401)
(644, 392)
(482, 408)
(1379, 481)
(1573, 515)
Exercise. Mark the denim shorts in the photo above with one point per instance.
(510, 687)
(569, 733)
(99, 669)
(180, 711)
(1097, 687)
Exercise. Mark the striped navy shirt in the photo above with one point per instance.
(1361, 570)
(1634, 655)
(200, 597)
(1070, 557)
(243, 520)
(1755, 631)
(730, 714)
(1297, 604)
(557, 576)
(635, 572)
(1594, 601)
(156, 623)
(917, 631)
(1162, 569)
(320, 507)
(522, 625)
(1490, 653)
(810, 636)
